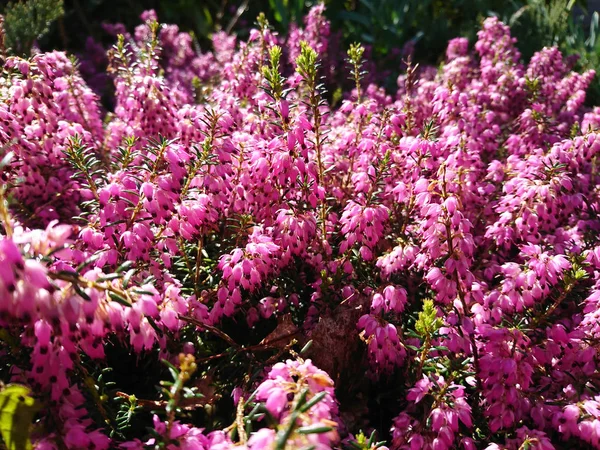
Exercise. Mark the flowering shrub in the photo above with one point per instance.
(271, 249)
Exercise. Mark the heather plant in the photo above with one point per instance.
(227, 260)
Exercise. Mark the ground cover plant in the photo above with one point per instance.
(233, 257)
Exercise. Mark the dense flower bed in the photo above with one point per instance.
(272, 243)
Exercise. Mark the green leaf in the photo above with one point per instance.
(88, 261)
(312, 402)
(17, 410)
(81, 292)
(441, 348)
(314, 429)
(118, 298)
(127, 278)
(109, 277)
(306, 347)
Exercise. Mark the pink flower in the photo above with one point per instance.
(417, 393)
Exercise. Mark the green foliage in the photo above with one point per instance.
(384, 25)
(544, 23)
(355, 54)
(587, 46)
(272, 74)
(300, 406)
(88, 169)
(428, 322)
(287, 11)
(126, 415)
(362, 442)
(176, 390)
(306, 62)
(17, 410)
(355, 59)
(387, 25)
(26, 21)
(540, 23)
(427, 25)
(204, 15)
